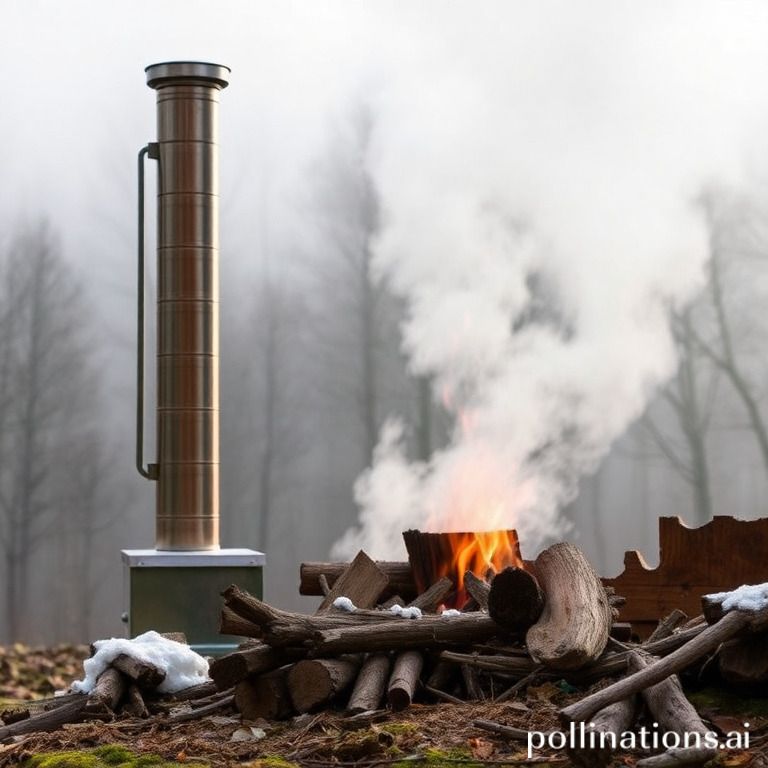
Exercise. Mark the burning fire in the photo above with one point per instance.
(483, 553)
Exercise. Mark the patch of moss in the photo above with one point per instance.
(400, 729)
(114, 754)
(272, 761)
(108, 756)
(69, 759)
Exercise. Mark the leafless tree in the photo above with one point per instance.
(358, 334)
(690, 397)
(46, 387)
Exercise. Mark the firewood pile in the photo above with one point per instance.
(553, 619)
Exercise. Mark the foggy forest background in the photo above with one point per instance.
(311, 367)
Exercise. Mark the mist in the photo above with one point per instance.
(461, 239)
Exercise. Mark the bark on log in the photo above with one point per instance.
(370, 685)
(703, 643)
(443, 676)
(265, 696)
(505, 731)
(478, 589)
(142, 673)
(604, 732)
(471, 682)
(515, 599)
(230, 623)
(108, 692)
(50, 720)
(436, 594)
(284, 628)
(136, 705)
(670, 708)
(667, 703)
(362, 582)
(576, 622)
(313, 682)
(401, 634)
(668, 625)
(229, 670)
(399, 575)
(745, 661)
(404, 680)
(607, 665)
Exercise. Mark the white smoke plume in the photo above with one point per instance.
(538, 173)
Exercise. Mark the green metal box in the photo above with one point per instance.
(181, 592)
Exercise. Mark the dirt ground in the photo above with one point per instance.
(425, 734)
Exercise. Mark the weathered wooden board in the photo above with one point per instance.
(720, 555)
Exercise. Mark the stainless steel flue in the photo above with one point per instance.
(187, 469)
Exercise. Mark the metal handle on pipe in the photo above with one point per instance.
(150, 471)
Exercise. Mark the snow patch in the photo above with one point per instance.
(182, 666)
(344, 604)
(406, 613)
(448, 612)
(746, 598)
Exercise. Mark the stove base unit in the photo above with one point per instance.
(181, 592)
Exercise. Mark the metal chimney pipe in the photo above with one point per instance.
(187, 470)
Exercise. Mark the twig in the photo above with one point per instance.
(438, 694)
(183, 717)
(512, 690)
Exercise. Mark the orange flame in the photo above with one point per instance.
(483, 553)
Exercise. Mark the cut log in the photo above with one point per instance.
(515, 599)
(362, 582)
(604, 734)
(370, 685)
(576, 622)
(399, 575)
(108, 692)
(478, 589)
(745, 661)
(229, 670)
(703, 643)
(144, 674)
(401, 634)
(436, 594)
(668, 625)
(404, 680)
(265, 696)
(313, 682)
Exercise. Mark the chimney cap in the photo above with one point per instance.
(170, 72)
